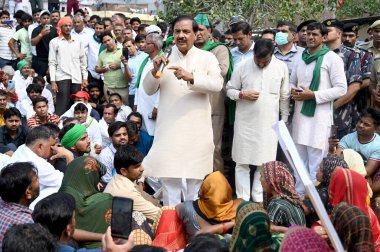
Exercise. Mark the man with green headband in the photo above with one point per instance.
(222, 53)
(23, 76)
(316, 81)
(75, 138)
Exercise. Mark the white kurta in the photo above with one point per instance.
(315, 131)
(183, 144)
(254, 139)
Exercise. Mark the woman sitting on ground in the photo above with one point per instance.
(282, 202)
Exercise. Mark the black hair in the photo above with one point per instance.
(36, 10)
(8, 113)
(64, 130)
(34, 88)
(268, 31)
(242, 26)
(115, 126)
(100, 23)
(38, 78)
(98, 19)
(106, 19)
(26, 17)
(129, 39)
(17, 14)
(55, 212)
(3, 93)
(374, 114)
(318, 26)
(205, 243)
(52, 127)
(135, 19)
(147, 248)
(121, 15)
(182, 18)
(80, 11)
(39, 99)
(69, 120)
(136, 114)
(292, 27)
(93, 86)
(105, 33)
(6, 13)
(132, 128)
(228, 32)
(163, 26)
(38, 133)
(263, 48)
(80, 107)
(31, 237)
(142, 27)
(108, 105)
(140, 37)
(15, 179)
(125, 156)
(116, 94)
(55, 11)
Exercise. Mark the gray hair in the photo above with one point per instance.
(78, 17)
(9, 70)
(156, 39)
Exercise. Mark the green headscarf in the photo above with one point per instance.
(252, 230)
(73, 135)
(308, 107)
(93, 208)
(202, 20)
(169, 41)
(22, 63)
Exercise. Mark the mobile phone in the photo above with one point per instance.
(334, 131)
(121, 220)
(125, 53)
(8, 22)
(47, 26)
(11, 85)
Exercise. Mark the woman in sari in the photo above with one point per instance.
(350, 187)
(353, 228)
(282, 202)
(93, 208)
(252, 230)
(300, 239)
(214, 211)
(327, 167)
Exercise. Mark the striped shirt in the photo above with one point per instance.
(35, 120)
(5, 35)
(283, 213)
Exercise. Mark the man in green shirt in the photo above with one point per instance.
(22, 37)
(109, 64)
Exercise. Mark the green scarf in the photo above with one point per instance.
(93, 209)
(231, 105)
(141, 69)
(308, 107)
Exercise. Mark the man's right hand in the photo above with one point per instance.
(54, 87)
(21, 56)
(250, 95)
(45, 31)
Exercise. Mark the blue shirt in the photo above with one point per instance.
(134, 64)
(368, 150)
(106, 157)
(67, 248)
(145, 142)
(290, 58)
(238, 56)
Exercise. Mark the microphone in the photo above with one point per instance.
(167, 53)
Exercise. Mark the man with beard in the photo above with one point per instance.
(221, 52)
(118, 134)
(109, 117)
(18, 188)
(94, 45)
(96, 99)
(118, 31)
(75, 138)
(13, 133)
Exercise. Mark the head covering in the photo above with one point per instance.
(333, 23)
(202, 19)
(62, 22)
(93, 209)
(73, 135)
(44, 12)
(215, 198)
(22, 64)
(281, 180)
(252, 230)
(351, 27)
(89, 10)
(353, 228)
(329, 164)
(80, 94)
(169, 41)
(300, 239)
(153, 29)
(305, 23)
(235, 20)
(375, 25)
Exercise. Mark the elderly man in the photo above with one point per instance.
(260, 97)
(183, 146)
(67, 65)
(83, 33)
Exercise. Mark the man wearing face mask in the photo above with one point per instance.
(260, 87)
(286, 50)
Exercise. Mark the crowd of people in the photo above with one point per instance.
(94, 108)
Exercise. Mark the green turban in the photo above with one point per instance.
(73, 135)
(202, 20)
(22, 63)
(169, 41)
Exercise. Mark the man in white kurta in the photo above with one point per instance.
(183, 144)
(311, 133)
(266, 78)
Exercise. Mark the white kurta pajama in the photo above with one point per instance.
(310, 134)
(183, 144)
(254, 140)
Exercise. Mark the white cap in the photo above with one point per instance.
(153, 29)
(43, 12)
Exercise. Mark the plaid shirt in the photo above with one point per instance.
(35, 121)
(12, 214)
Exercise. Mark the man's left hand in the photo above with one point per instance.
(305, 95)
(84, 84)
(181, 73)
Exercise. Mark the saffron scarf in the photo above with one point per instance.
(308, 107)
